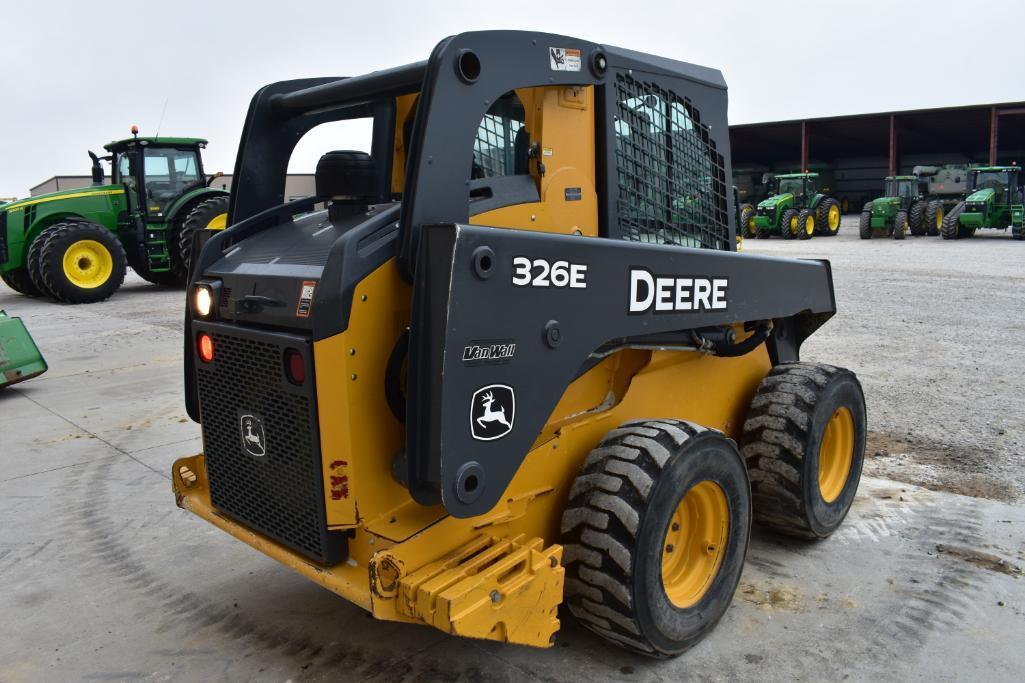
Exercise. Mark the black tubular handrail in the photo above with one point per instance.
(400, 80)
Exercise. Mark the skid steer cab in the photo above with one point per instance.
(516, 362)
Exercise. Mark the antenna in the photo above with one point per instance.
(161, 122)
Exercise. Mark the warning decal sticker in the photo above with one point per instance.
(564, 58)
(306, 299)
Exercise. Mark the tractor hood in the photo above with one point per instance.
(979, 196)
(771, 202)
(63, 194)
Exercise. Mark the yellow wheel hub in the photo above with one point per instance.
(939, 218)
(793, 225)
(809, 224)
(751, 227)
(88, 264)
(695, 544)
(218, 222)
(834, 217)
(836, 453)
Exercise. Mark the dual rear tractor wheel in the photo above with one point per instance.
(658, 521)
(828, 215)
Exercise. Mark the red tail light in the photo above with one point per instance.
(205, 346)
(295, 367)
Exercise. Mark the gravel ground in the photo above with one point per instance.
(936, 332)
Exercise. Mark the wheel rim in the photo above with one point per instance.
(88, 264)
(939, 219)
(793, 225)
(695, 544)
(751, 226)
(809, 224)
(218, 222)
(836, 453)
(834, 217)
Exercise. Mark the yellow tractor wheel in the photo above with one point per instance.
(804, 442)
(211, 214)
(805, 224)
(655, 535)
(82, 262)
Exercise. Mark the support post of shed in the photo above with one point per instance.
(893, 145)
(993, 129)
(804, 146)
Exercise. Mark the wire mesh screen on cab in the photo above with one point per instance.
(494, 149)
(672, 181)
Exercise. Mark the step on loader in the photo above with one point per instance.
(516, 362)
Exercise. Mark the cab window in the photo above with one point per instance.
(169, 173)
(501, 145)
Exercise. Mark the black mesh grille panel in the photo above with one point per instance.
(494, 148)
(278, 492)
(672, 181)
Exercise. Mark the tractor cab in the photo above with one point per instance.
(802, 185)
(904, 188)
(156, 171)
(1004, 181)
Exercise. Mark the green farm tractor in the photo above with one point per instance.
(75, 245)
(796, 209)
(995, 200)
(905, 207)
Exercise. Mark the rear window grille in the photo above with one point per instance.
(671, 178)
(494, 149)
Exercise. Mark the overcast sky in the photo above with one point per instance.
(76, 75)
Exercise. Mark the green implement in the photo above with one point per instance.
(19, 357)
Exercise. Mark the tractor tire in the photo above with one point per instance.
(916, 218)
(35, 252)
(805, 224)
(828, 218)
(168, 278)
(865, 222)
(19, 281)
(747, 226)
(933, 218)
(804, 443)
(1018, 232)
(211, 214)
(900, 225)
(951, 229)
(845, 206)
(649, 489)
(786, 230)
(82, 263)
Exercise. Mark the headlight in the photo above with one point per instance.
(204, 298)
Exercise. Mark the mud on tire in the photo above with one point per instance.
(786, 434)
(618, 518)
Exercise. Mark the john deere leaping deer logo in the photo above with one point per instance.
(254, 441)
(492, 411)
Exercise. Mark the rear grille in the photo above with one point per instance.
(279, 492)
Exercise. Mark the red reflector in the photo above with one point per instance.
(206, 347)
(295, 367)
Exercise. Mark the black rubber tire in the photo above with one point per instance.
(916, 218)
(784, 225)
(35, 252)
(802, 220)
(52, 268)
(900, 225)
(614, 527)
(822, 218)
(168, 278)
(19, 281)
(865, 222)
(1018, 232)
(932, 210)
(951, 229)
(782, 435)
(747, 214)
(197, 219)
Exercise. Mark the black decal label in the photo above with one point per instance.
(492, 412)
(489, 351)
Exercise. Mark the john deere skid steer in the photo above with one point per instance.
(516, 362)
